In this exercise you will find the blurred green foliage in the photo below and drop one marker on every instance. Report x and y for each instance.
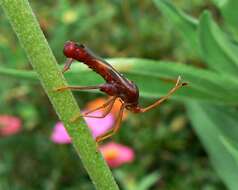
(169, 154)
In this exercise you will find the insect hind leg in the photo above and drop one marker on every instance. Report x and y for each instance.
(177, 86)
(115, 128)
(108, 104)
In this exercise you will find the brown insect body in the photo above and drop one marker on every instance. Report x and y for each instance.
(116, 84)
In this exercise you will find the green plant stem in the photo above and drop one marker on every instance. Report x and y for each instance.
(33, 41)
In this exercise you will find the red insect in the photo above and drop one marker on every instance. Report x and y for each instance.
(116, 86)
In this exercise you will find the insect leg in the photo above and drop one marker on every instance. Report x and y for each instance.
(68, 62)
(115, 128)
(162, 99)
(63, 88)
(108, 103)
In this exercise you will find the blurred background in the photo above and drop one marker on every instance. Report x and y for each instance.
(165, 151)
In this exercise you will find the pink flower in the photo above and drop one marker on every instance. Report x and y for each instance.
(98, 126)
(117, 154)
(9, 125)
(60, 135)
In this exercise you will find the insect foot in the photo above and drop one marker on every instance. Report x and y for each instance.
(60, 89)
(75, 118)
(184, 84)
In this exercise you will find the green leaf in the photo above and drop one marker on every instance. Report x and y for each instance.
(217, 50)
(147, 181)
(220, 3)
(231, 147)
(184, 23)
(202, 81)
(229, 12)
(139, 184)
(229, 9)
(203, 85)
(217, 127)
(149, 75)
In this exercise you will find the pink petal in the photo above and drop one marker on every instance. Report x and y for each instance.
(122, 154)
(9, 125)
(60, 135)
(99, 126)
